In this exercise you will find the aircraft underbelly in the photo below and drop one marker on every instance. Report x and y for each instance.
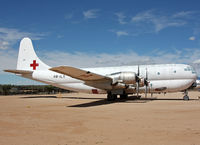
(155, 86)
(170, 85)
(81, 87)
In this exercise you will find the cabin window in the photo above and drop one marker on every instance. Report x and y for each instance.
(158, 73)
(174, 71)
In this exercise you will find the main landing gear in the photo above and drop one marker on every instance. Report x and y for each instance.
(111, 97)
(123, 96)
(186, 97)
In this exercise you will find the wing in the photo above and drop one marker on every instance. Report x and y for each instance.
(80, 74)
(90, 79)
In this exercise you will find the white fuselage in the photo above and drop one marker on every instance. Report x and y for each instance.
(172, 77)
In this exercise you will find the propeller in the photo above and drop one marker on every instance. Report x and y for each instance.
(138, 81)
(146, 83)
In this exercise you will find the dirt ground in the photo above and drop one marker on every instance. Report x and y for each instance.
(82, 119)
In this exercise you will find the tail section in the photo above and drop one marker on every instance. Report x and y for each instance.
(27, 58)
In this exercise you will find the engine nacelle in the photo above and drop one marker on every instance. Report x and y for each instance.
(142, 82)
(123, 77)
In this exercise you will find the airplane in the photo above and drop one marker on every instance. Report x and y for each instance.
(114, 81)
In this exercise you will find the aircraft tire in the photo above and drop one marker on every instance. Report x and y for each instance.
(124, 96)
(186, 98)
(111, 97)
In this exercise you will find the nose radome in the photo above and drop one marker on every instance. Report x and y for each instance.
(194, 76)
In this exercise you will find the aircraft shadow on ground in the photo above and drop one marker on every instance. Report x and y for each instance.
(130, 99)
(84, 98)
(32, 97)
(100, 101)
(105, 102)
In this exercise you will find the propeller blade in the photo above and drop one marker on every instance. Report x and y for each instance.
(138, 81)
(145, 91)
(146, 74)
(146, 83)
(137, 89)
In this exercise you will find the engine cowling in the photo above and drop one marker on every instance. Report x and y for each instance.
(123, 77)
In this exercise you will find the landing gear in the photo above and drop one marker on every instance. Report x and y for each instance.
(123, 96)
(138, 97)
(111, 97)
(186, 97)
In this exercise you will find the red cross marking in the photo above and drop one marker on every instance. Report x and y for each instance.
(34, 65)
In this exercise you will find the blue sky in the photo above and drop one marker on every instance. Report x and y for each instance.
(100, 33)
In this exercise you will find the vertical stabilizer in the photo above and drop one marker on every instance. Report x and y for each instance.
(27, 58)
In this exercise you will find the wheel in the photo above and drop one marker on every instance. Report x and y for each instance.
(115, 97)
(186, 98)
(111, 97)
(123, 96)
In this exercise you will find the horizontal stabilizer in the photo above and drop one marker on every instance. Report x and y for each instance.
(18, 71)
(80, 74)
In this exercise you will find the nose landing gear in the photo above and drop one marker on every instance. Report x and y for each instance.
(186, 97)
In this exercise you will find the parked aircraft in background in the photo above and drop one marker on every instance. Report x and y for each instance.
(113, 81)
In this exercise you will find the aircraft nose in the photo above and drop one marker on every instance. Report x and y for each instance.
(194, 76)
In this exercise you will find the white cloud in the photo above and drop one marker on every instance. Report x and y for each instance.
(121, 33)
(121, 17)
(9, 36)
(90, 14)
(80, 59)
(142, 16)
(161, 21)
(8, 59)
(4, 45)
(197, 61)
(183, 14)
(192, 38)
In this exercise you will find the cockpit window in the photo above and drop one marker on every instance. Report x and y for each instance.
(187, 69)
(193, 71)
(190, 69)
